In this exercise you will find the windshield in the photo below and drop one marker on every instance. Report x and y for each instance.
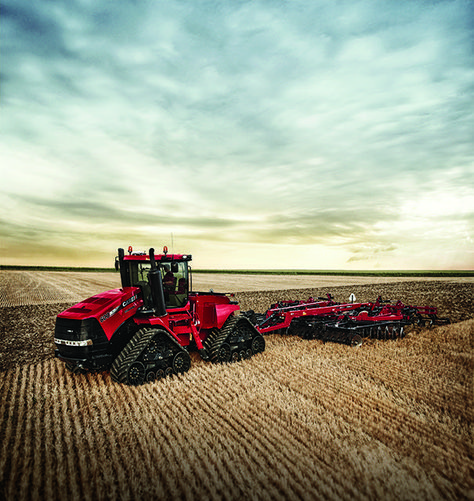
(174, 276)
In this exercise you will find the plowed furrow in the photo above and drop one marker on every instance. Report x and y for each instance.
(389, 424)
(197, 470)
(255, 413)
(263, 436)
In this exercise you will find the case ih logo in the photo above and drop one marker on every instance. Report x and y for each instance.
(128, 301)
(111, 313)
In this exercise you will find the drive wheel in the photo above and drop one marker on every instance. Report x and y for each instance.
(181, 362)
(223, 355)
(136, 374)
(151, 351)
(258, 344)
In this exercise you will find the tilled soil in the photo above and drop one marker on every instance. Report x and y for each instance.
(27, 331)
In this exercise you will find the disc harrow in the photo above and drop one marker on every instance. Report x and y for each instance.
(346, 323)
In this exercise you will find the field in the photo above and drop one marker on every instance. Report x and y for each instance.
(303, 420)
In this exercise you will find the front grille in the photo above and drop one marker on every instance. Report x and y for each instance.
(81, 341)
(78, 330)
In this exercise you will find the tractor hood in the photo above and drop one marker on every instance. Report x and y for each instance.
(110, 308)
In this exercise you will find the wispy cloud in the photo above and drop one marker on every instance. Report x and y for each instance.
(270, 124)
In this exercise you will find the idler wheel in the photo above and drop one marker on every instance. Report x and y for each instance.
(136, 374)
(181, 362)
(224, 353)
(258, 344)
(235, 357)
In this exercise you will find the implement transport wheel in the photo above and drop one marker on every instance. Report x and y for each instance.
(356, 341)
(181, 362)
(258, 344)
(136, 374)
(224, 353)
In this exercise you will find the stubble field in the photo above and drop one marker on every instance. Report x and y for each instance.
(303, 420)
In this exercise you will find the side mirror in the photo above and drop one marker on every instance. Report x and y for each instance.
(116, 263)
(174, 267)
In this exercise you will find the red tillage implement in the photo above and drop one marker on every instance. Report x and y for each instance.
(345, 323)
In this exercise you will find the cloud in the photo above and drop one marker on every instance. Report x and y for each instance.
(295, 123)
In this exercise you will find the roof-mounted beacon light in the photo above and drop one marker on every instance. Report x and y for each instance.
(165, 250)
(130, 249)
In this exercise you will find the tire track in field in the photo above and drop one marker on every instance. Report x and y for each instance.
(142, 423)
(127, 431)
(254, 460)
(226, 450)
(107, 423)
(89, 436)
(195, 454)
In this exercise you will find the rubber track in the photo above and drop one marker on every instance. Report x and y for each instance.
(132, 351)
(217, 338)
(223, 334)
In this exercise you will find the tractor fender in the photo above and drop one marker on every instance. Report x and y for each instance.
(223, 311)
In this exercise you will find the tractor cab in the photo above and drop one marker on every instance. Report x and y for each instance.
(135, 269)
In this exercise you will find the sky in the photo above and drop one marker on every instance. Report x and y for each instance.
(299, 134)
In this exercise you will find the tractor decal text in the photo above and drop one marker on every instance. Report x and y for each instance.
(111, 313)
(128, 301)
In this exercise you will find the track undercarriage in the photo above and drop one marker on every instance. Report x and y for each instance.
(151, 354)
(237, 340)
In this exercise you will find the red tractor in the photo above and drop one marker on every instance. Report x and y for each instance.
(145, 330)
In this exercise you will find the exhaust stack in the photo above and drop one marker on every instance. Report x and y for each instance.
(124, 276)
(156, 285)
